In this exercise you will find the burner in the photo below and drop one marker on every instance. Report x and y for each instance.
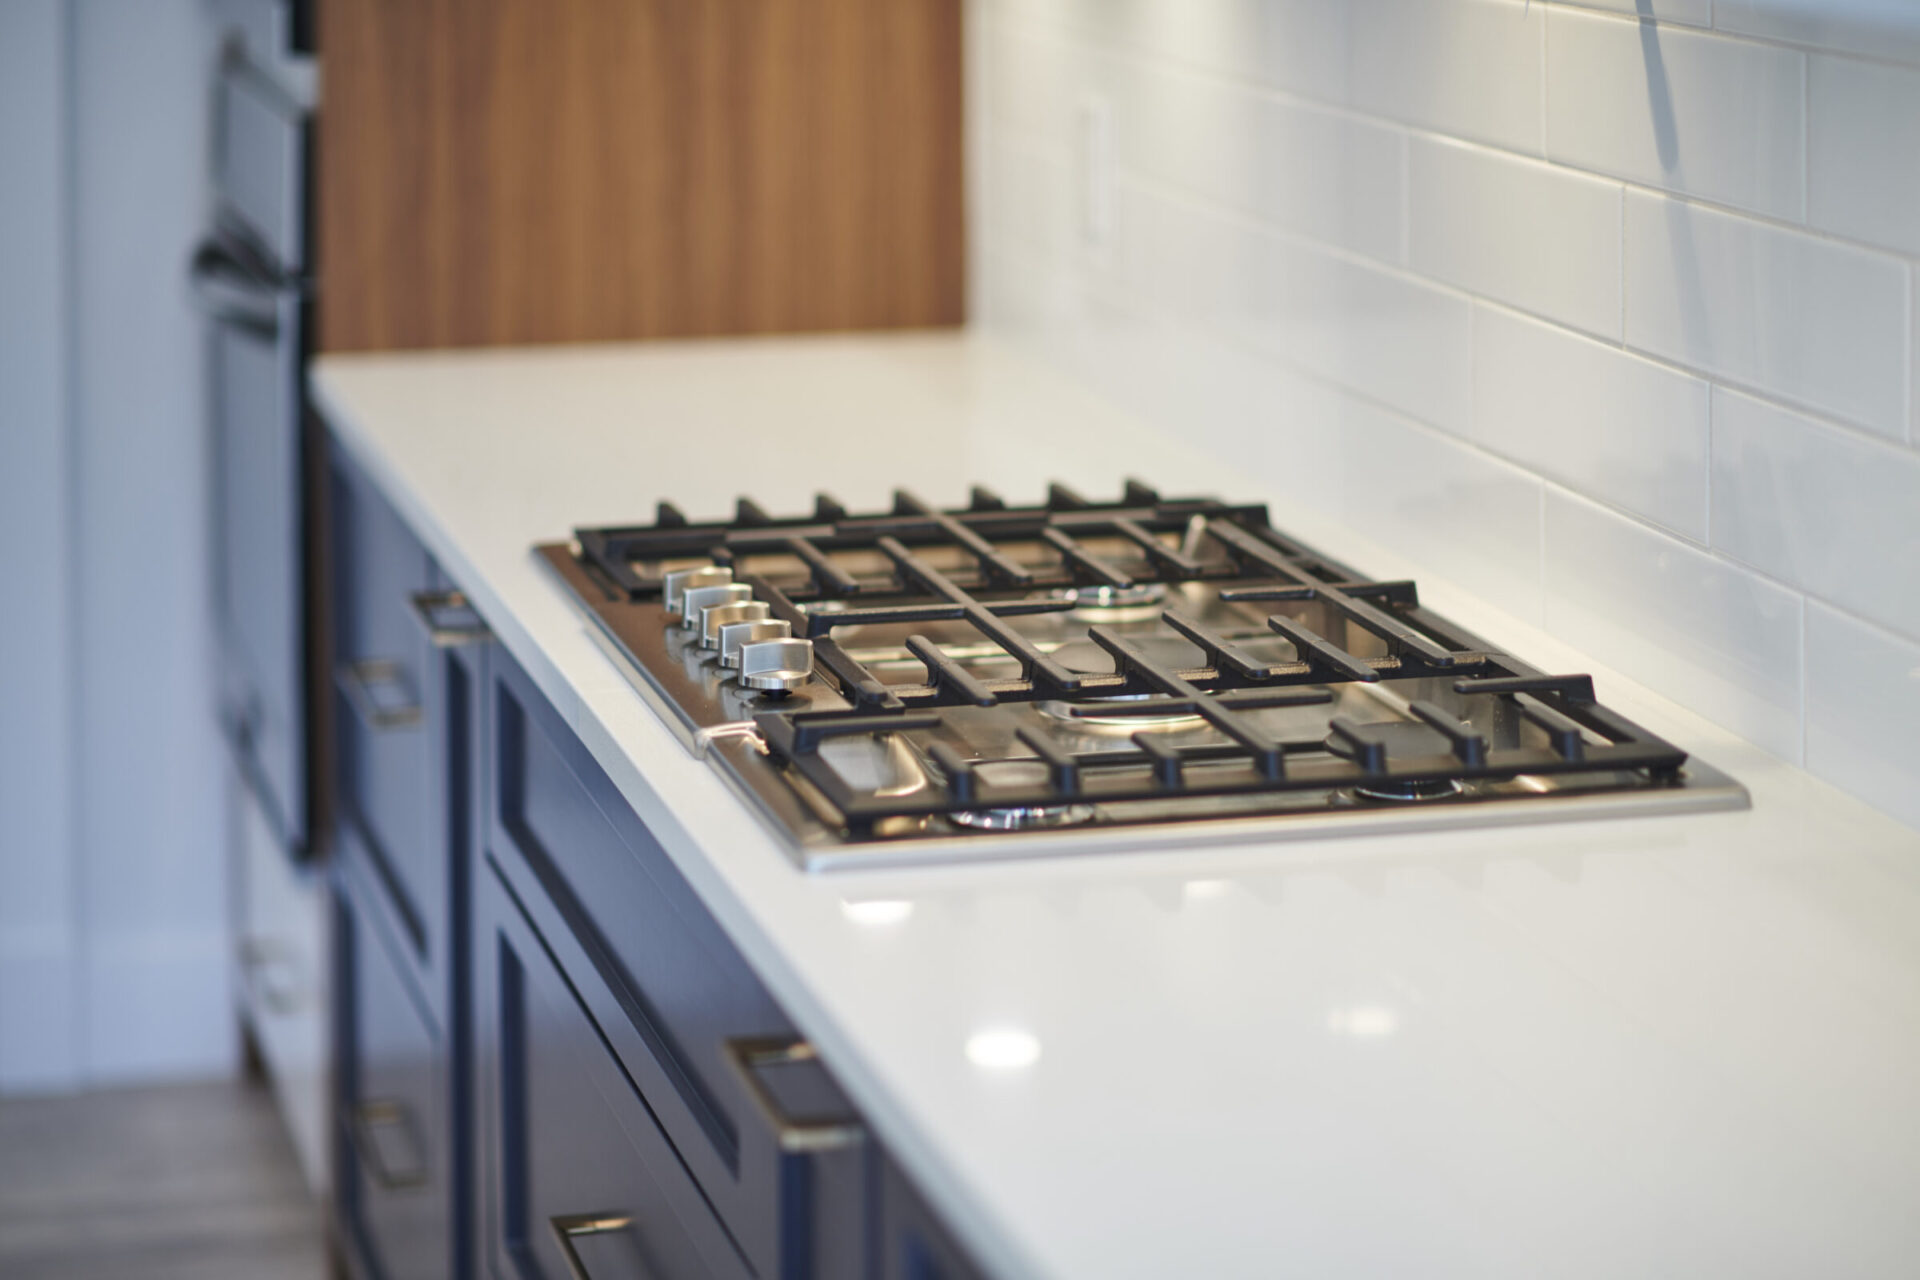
(1087, 714)
(1024, 819)
(1401, 738)
(1113, 604)
(1409, 792)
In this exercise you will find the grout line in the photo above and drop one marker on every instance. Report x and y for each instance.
(1806, 152)
(67, 130)
(1623, 268)
(1804, 666)
(1713, 398)
(1913, 344)
(1546, 13)
(1541, 499)
(1406, 200)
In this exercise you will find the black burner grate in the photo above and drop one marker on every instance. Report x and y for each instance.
(1232, 548)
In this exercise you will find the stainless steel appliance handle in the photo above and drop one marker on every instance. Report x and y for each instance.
(569, 1227)
(230, 289)
(449, 619)
(361, 682)
(260, 958)
(386, 1112)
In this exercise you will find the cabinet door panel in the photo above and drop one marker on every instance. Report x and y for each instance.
(259, 568)
(576, 1163)
(391, 696)
(393, 1118)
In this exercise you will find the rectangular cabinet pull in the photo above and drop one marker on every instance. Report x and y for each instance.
(376, 1114)
(752, 1059)
(449, 619)
(377, 690)
(569, 1227)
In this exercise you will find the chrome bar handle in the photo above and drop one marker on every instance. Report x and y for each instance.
(449, 619)
(371, 1115)
(359, 680)
(569, 1227)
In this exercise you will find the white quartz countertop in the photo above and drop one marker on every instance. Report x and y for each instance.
(1683, 1046)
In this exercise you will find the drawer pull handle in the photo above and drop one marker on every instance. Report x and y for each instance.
(750, 1059)
(377, 689)
(569, 1227)
(382, 1113)
(449, 619)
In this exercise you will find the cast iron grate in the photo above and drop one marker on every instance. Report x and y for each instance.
(833, 585)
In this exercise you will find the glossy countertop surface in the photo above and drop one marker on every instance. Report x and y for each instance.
(1686, 1045)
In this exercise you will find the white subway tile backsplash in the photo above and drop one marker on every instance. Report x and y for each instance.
(1474, 519)
(1409, 263)
(1817, 322)
(1697, 12)
(1822, 509)
(1371, 329)
(1685, 110)
(1876, 28)
(1297, 45)
(1705, 632)
(1316, 172)
(1863, 701)
(1597, 419)
(1030, 87)
(1863, 151)
(1542, 238)
(1030, 202)
(1470, 68)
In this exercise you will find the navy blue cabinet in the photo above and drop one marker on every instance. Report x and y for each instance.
(552, 1062)
(408, 678)
(754, 1118)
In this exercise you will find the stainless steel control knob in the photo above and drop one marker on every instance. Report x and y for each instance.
(694, 599)
(733, 635)
(674, 587)
(776, 666)
(716, 616)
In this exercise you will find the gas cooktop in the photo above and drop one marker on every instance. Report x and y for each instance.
(927, 684)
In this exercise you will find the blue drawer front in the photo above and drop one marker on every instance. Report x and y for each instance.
(669, 992)
(576, 1162)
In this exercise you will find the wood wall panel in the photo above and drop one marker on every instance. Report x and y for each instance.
(498, 171)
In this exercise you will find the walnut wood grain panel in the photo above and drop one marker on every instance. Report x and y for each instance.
(497, 171)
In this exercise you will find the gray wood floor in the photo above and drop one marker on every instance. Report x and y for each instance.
(186, 1182)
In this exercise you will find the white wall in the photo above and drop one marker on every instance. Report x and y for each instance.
(1611, 321)
(39, 1040)
(112, 892)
